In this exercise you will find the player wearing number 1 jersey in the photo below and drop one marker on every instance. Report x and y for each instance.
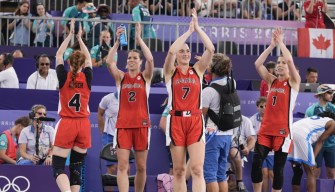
(185, 128)
(132, 125)
(275, 131)
(73, 130)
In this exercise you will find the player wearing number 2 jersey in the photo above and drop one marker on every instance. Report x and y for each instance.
(132, 125)
(185, 128)
(275, 131)
(73, 130)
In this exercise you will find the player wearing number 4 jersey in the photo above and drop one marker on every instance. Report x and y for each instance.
(73, 130)
(132, 125)
(275, 131)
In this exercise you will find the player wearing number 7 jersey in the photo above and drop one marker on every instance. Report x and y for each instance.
(132, 125)
(275, 130)
(73, 130)
(185, 126)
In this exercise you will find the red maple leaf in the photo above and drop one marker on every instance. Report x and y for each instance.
(321, 43)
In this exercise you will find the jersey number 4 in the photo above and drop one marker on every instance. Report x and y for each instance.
(75, 102)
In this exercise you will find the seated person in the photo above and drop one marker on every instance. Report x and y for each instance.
(251, 9)
(8, 77)
(44, 77)
(288, 10)
(270, 10)
(100, 51)
(160, 7)
(43, 28)
(311, 75)
(224, 9)
(8, 141)
(35, 142)
(17, 53)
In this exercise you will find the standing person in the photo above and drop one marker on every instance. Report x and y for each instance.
(43, 27)
(324, 94)
(73, 130)
(8, 141)
(132, 126)
(107, 115)
(314, 10)
(275, 130)
(185, 126)
(306, 132)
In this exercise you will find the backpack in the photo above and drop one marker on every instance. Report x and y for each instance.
(229, 115)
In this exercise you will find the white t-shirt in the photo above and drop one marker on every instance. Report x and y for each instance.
(204, 8)
(242, 133)
(8, 78)
(36, 81)
(110, 104)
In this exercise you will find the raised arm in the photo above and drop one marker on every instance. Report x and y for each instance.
(294, 75)
(83, 48)
(63, 46)
(111, 58)
(170, 59)
(149, 64)
(207, 56)
(261, 69)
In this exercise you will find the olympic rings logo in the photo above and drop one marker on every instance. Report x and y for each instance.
(13, 185)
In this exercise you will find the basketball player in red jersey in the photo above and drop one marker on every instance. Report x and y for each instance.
(73, 130)
(275, 130)
(132, 125)
(185, 125)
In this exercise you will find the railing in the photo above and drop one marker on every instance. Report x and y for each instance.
(230, 38)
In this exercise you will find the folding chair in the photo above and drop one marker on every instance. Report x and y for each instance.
(108, 153)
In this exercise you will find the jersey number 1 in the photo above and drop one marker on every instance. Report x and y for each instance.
(75, 102)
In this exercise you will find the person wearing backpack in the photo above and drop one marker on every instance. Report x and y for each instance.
(219, 95)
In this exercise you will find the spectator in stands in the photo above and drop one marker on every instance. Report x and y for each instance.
(8, 77)
(288, 10)
(140, 14)
(75, 46)
(76, 11)
(180, 79)
(124, 7)
(43, 27)
(264, 87)
(267, 167)
(306, 133)
(91, 10)
(17, 53)
(203, 7)
(160, 7)
(133, 126)
(311, 75)
(314, 10)
(8, 141)
(217, 142)
(251, 9)
(243, 142)
(103, 14)
(35, 142)
(107, 115)
(44, 77)
(20, 27)
(324, 94)
(274, 133)
(185, 7)
(270, 10)
(99, 52)
(224, 9)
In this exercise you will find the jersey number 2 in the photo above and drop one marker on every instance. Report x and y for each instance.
(75, 102)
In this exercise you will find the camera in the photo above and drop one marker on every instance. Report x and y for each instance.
(241, 146)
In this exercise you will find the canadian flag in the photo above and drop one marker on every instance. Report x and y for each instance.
(318, 43)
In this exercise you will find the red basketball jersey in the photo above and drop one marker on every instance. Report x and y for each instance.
(185, 90)
(278, 115)
(133, 102)
(73, 102)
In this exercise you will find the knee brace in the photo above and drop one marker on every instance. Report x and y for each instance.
(259, 155)
(297, 173)
(58, 165)
(76, 162)
(278, 170)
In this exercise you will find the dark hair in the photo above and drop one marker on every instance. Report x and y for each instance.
(137, 51)
(77, 59)
(260, 100)
(310, 70)
(76, 46)
(18, 11)
(221, 64)
(82, 1)
(270, 65)
(24, 121)
(45, 11)
(327, 114)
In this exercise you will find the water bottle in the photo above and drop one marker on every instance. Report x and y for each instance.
(123, 37)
